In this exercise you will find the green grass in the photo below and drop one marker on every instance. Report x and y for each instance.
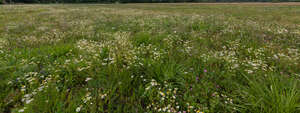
(242, 58)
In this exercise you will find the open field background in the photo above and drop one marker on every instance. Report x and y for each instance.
(135, 58)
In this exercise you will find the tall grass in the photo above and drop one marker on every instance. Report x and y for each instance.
(145, 58)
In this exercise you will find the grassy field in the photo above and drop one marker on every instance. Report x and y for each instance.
(137, 58)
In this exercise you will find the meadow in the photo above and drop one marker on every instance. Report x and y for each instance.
(150, 58)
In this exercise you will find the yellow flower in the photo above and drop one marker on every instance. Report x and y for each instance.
(198, 111)
(168, 92)
(161, 93)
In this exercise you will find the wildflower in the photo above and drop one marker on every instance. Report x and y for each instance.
(23, 89)
(235, 66)
(22, 110)
(80, 69)
(198, 111)
(27, 95)
(103, 96)
(141, 64)
(147, 88)
(249, 71)
(9, 82)
(78, 109)
(88, 79)
(161, 93)
(205, 70)
(29, 101)
(41, 88)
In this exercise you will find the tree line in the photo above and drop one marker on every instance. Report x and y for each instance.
(135, 1)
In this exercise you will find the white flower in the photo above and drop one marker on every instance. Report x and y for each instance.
(161, 93)
(23, 89)
(27, 95)
(41, 88)
(21, 110)
(235, 66)
(29, 101)
(9, 82)
(78, 109)
(88, 98)
(147, 88)
(80, 69)
(249, 71)
(88, 79)
(103, 96)
(275, 56)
